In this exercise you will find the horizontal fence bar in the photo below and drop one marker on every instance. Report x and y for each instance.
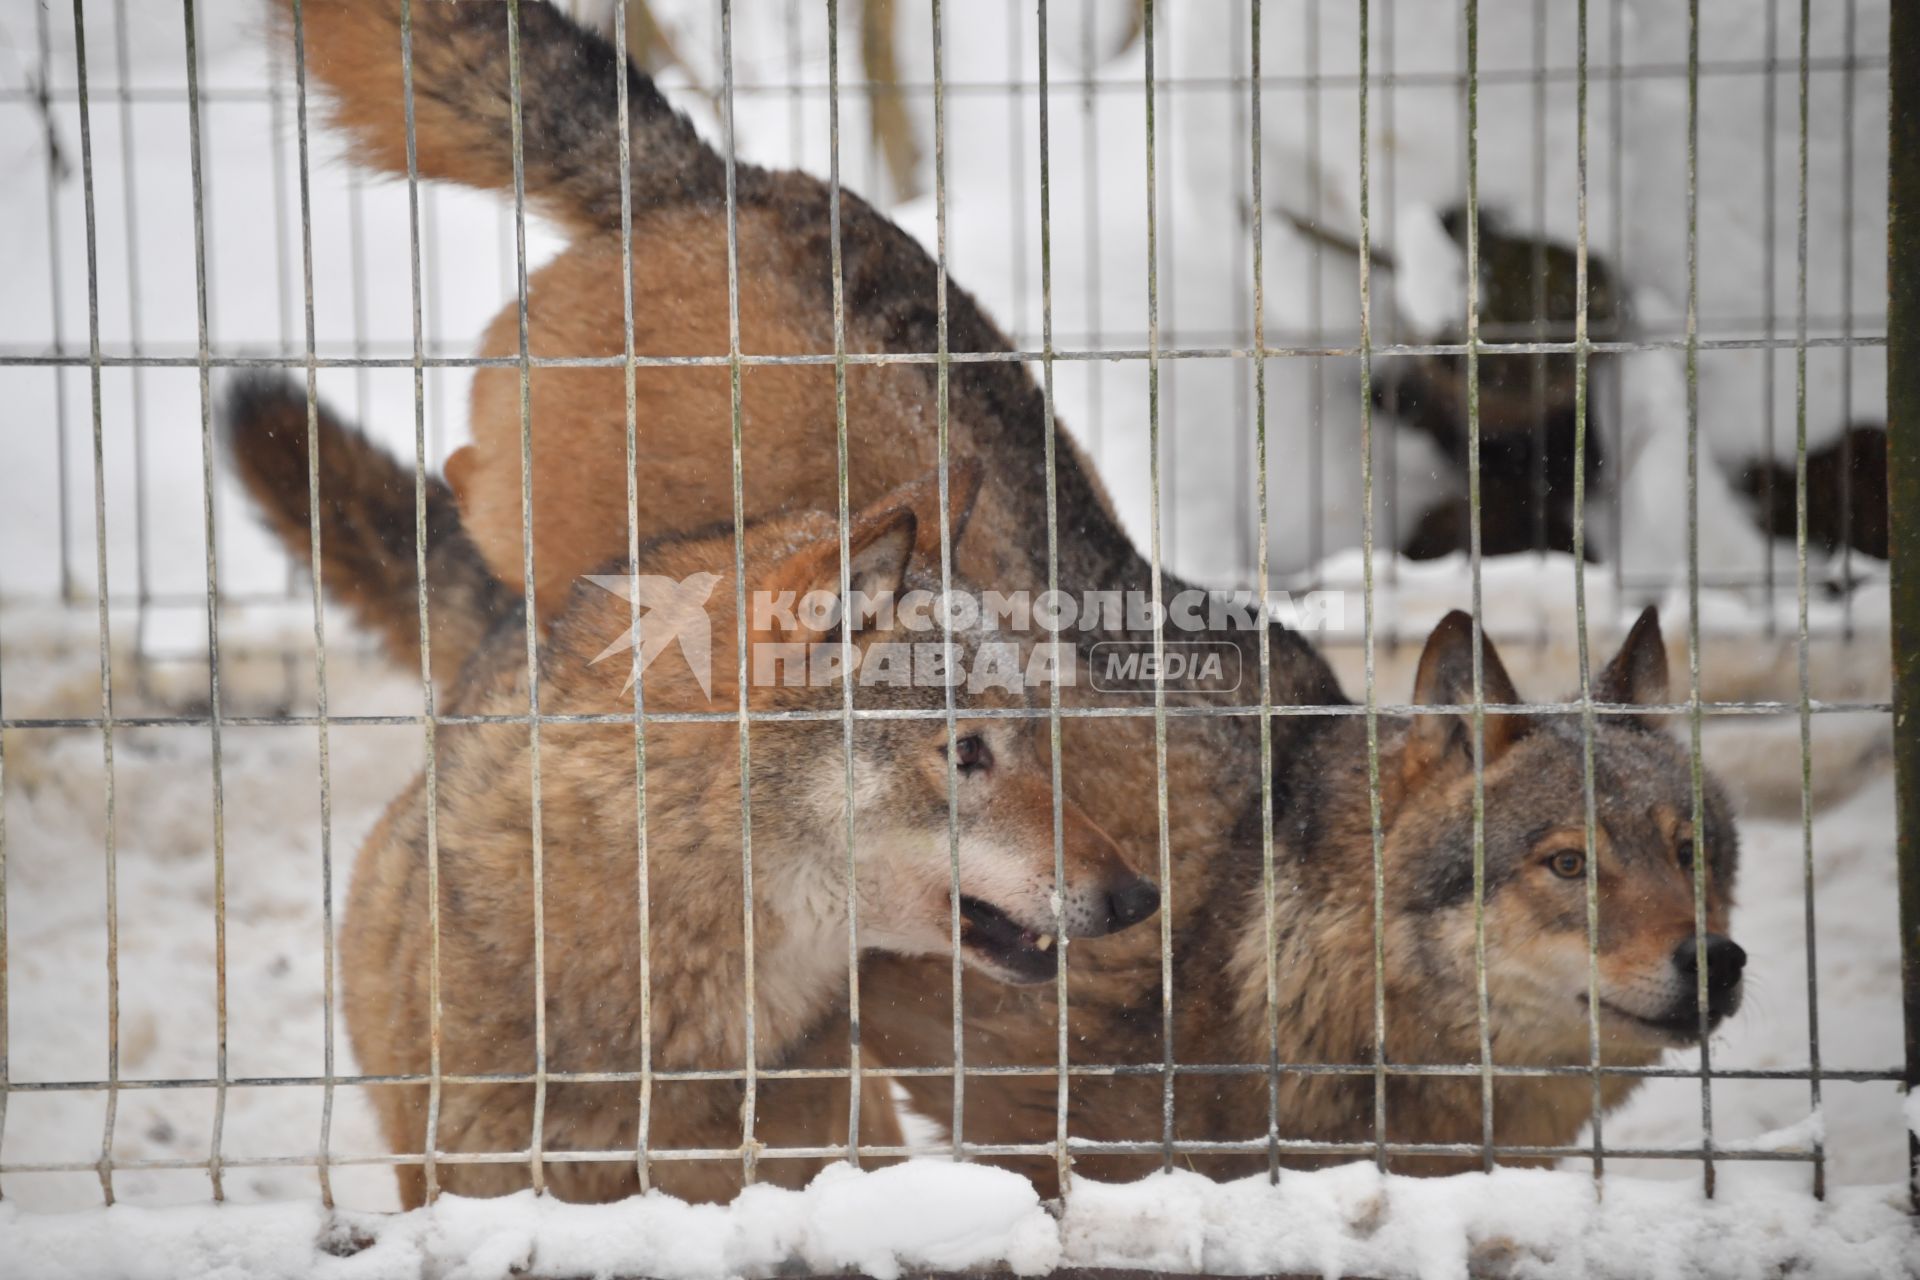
(1075, 1146)
(1114, 355)
(1109, 1071)
(1126, 87)
(292, 719)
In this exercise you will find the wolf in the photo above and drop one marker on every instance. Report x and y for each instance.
(1042, 519)
(498, 923)
(1663, 973)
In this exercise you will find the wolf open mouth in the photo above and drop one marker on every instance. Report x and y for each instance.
(1015, 952)
(1680, 1026)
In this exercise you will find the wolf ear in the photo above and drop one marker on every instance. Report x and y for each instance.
(1445, 678)
(879, 545)
(922, 498)
(1637, 676)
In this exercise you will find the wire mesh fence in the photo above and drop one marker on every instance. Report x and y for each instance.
(1243, 264)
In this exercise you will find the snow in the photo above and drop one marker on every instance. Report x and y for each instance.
(1652, 1218)
(1352, 1220)
(1349, 1220)
(916, 1215)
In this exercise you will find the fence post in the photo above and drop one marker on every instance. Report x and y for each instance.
(1903, 500)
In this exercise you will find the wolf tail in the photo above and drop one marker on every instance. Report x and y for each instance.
(368, 559)
(464, 89)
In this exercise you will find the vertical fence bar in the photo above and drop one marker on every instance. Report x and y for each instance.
(1090, 229)
(1800, 584)
(841, 503)
(1163, 139)
(319, 602)
(1316, 296)
(1483, 1014)
(1848, 82)
(1693, 589)
(213, 597)
(1769, 239)
(1903, 503)
(1243, 412)
(1262, 554)
(100, 596)
(214, 592)
(537, 1159)
(430, 1142)
(1582, 406)
(54, 259)
(644, 907)
(1617, 238)
(1159, 630)
(749, 1148)
(142, 566)
(1016, 179)
(1063, 1164)
(1375, 831)
(943, 374)
(1537, 267)
(1390, 189)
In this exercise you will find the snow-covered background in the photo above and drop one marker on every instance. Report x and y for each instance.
(154, 518)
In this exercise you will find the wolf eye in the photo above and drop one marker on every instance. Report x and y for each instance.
(1568, 863)
(970, 754)
(1685, 855)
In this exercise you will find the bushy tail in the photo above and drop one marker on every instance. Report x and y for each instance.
(367, 556)
(463, 103)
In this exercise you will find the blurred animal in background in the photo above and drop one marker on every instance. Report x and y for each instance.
(1527, 407)
(1846, 493)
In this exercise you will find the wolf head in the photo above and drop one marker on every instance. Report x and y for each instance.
(817, 640)
(1662, 978)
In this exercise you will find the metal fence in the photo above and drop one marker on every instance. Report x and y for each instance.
(1790, 75)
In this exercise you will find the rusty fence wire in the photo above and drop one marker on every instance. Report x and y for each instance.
(1858, 330)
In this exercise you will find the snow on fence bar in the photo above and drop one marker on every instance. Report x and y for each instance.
(184, 216)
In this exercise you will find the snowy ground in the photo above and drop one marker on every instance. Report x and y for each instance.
(54, 797)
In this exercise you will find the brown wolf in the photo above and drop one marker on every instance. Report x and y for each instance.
(568, 800)
(678, 202)
(677, 196)
(1535, 878)
(677, 199)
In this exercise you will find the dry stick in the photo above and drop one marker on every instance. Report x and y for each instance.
(646, 42)
(889, 119)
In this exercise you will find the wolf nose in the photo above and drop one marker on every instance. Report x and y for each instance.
(1725, 960)
(1132, 902)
